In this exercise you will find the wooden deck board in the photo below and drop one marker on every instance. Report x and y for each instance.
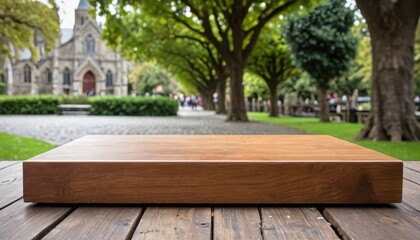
(10, 184)
(212, 169)
(174, 223)
(295, 223)
(235, 223)
(5, 164)
(28, 221)
(375, 223)
(412, 194)
(415, 165)
(97, 223)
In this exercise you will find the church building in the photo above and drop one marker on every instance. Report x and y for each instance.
(80, 64)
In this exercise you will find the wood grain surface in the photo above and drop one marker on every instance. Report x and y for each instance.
(5, 164)
(10, 184)
(100, 222)
(235, 223)
(294, 223)
(174, 223)
(210, 147)
(212, 169)
(375, 223)
(29, 221)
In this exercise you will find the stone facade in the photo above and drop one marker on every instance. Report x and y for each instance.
(80, 64)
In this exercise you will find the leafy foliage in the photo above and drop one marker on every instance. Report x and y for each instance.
(29, 104)
(255, 86)
(148, 77)
(321, 42)
(271, 59)
(133, 106)
(71, 99)
(302, 85)
(231, 27)
(20, 20)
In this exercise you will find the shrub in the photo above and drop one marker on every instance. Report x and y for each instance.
(82, 99)
(133, 106)
(28, 104)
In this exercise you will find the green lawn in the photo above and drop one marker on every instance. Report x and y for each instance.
(345, 131)
(21, 148)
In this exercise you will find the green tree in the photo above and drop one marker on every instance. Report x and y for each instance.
(302, 85)
(149, 77)
(255, 86)
(232, 27)
(20, 20)
(272, 62)
(194, 61)
(392, 26)
(193, 67)
(322, 44)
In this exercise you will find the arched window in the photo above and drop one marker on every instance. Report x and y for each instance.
(66, 77)
(82, 20)
(48, 75)
(109, 78)
(89, 44)
(27, 74)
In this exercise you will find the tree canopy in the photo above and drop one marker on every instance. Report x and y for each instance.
(231, 27)
(271, 61)
(323, 45)
(20, 20)
(147, 77)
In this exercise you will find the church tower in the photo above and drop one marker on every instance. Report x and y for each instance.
(82, 14)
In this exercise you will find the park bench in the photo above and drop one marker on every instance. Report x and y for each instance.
(73, 109)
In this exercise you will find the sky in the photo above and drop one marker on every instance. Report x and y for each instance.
(66, 12)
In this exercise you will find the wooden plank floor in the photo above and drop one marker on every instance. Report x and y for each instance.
(19, 220)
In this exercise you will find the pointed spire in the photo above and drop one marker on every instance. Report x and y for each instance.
(84, 5)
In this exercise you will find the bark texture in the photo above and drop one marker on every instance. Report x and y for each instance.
(274, 109)
(392, 27)
(324, 108)
(207, 98)
(237, 110)
(221, 97)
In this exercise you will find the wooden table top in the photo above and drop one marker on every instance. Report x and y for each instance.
(19, 220)
(211, 148)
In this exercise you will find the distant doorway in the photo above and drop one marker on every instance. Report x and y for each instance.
(89, 85)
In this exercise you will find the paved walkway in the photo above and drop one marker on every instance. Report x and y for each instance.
(62, 129)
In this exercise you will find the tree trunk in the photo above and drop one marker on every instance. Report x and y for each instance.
(324, 108)
(207, 100)
(274, 109)
(392, 28)
(221, 97)
(237, 110)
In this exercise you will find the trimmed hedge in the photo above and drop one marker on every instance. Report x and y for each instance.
(29, 104)
(81, 99)
(133, 106)
(107, 105)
